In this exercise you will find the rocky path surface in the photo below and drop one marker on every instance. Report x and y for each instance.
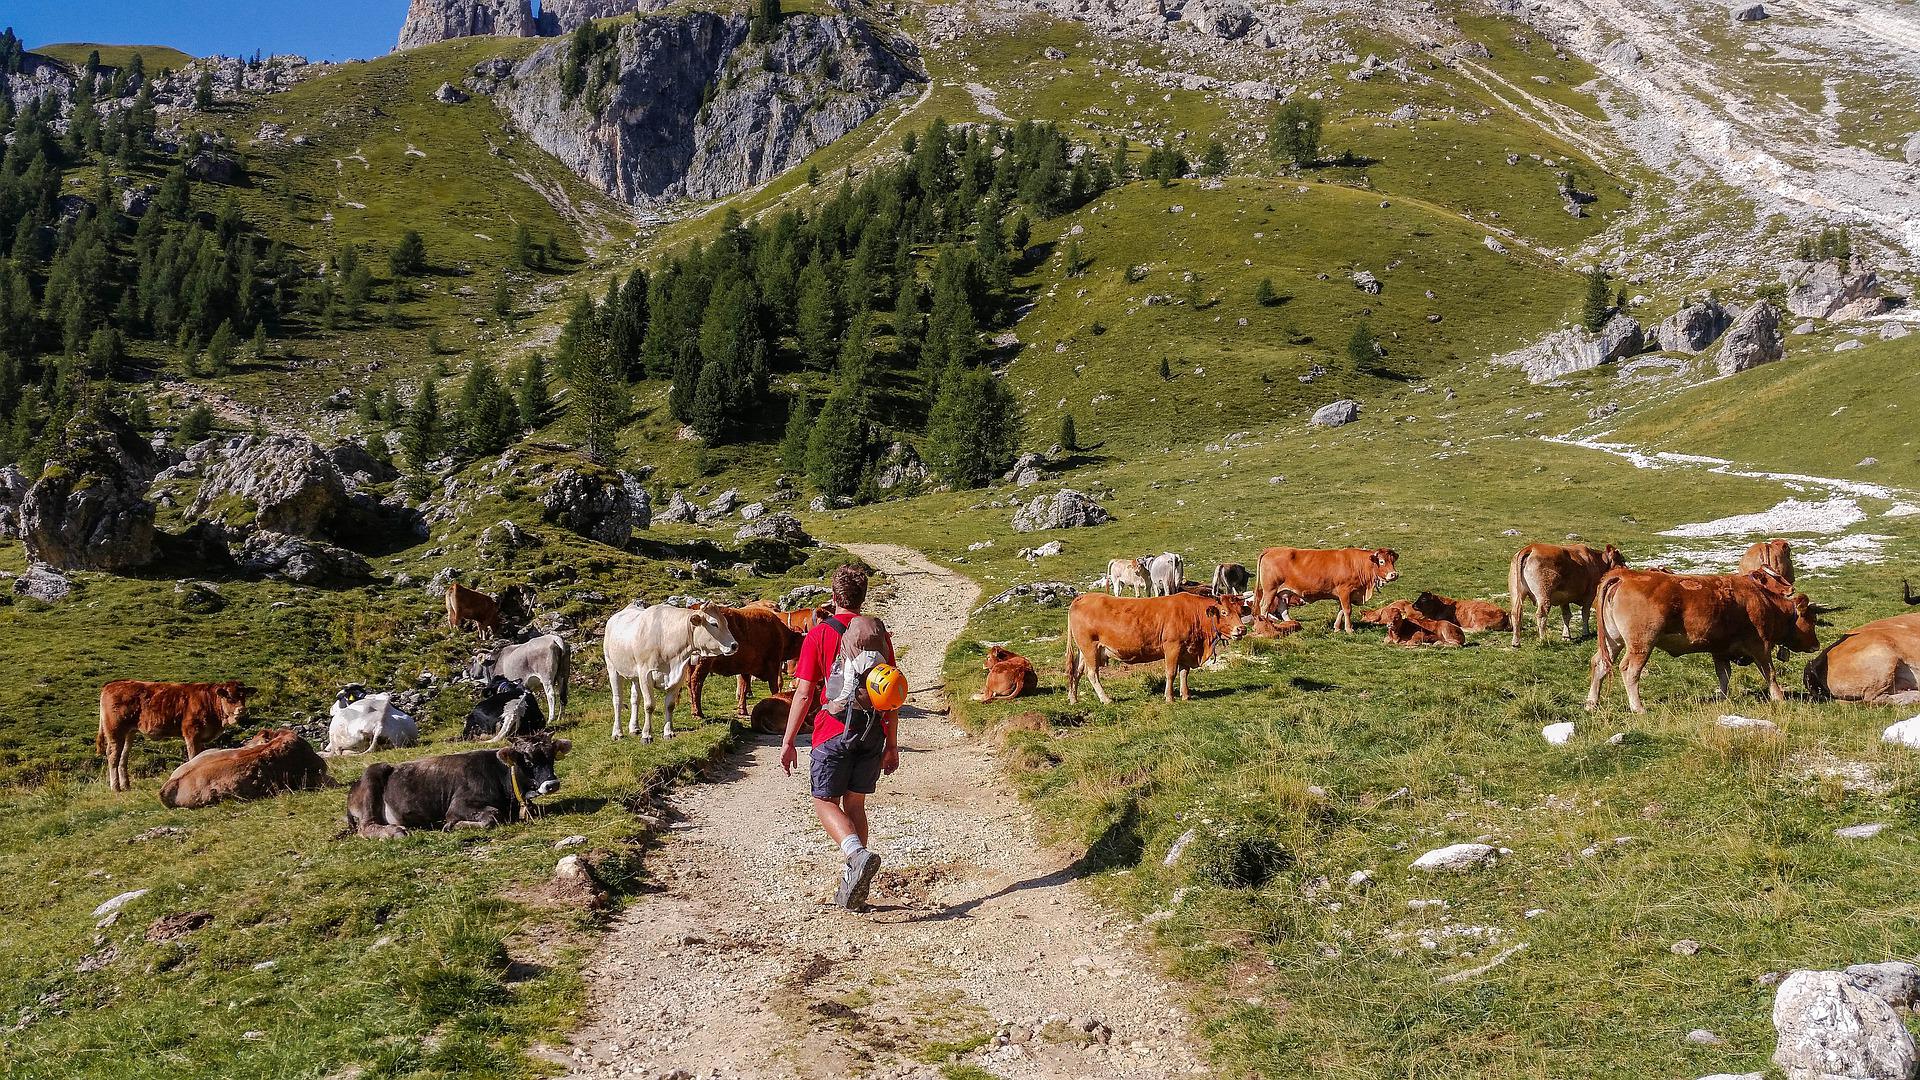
(979, 945)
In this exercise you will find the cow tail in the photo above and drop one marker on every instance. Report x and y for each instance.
(1073, 668)
(1517, 583)
(100, 736)
(1602, 605)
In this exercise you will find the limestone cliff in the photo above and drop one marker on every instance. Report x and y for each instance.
(430, 21)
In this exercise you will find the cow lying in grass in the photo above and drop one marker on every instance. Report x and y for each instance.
(478, 789)
(266, 765)
(1879, 662)
(1009, 676)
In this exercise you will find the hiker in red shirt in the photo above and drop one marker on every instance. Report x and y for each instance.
(852, 745)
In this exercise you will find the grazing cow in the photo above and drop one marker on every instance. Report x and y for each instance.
(545, 658)
(653, 648)
(1385, 614)
(1131, 573)
(765, 642)
(507, 711)
(192, 712)
(267, 764)
(1009, 676)
(1473, 616)
(1183, 630)
(1230, 577)
(1343, 574)
(362, 721)
(1878, 662)
(1773, 556)
(1728, 616)
(1416, 629)
(477, 789)
(466, 605)
(769, 716)
(1555, 576)
(1165, 573)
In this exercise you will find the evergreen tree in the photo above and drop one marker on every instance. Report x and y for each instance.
(1263, 293)
(837, 445)
(766, 21)
(421, 432)
(503, 299)
(597, 403)
(973, 431)
(196, 425)
(1213, 160)
(221, 348)
(409, 256)
(487, 416)
(573, 69)
(1597, 306)
(1069, 439)
(1362, 348)
(523, 247)
(793, 442)
(1166, 370)
(627, 323)
(259, 342)
(816, 321)
(1295, 135)
(530, 393)
(203, 92)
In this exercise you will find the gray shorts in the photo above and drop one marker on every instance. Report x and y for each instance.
(839, 766)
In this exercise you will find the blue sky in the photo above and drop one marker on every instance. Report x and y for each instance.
(320, 29)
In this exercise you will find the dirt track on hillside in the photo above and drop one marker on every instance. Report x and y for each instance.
(735, 967)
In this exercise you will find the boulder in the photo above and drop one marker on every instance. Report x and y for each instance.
(449, 94)
(778, 525)
(1336, 413)
(901, 467)
(13, 490)
(357, 463)
(280, 483)
(43, 583)
(1830, 1029)
(1748, 12)
(607, 505)
(678, 512)
(1366, 282)
(214, 167)
(1754, 339)
(1620, 338)
(1559, 354)
(804, 596)
(1693, 327)
(1895, 982)
(1903, 733)
(88, 510)
(1912, 150)
(1028, 469)
(1458, 858)
(1064, 509)
(1831, 288)
(302, 561)
(1041, 593)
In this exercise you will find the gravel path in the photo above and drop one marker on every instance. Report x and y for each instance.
(979, 944)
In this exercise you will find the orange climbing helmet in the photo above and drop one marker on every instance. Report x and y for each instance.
(886, 687)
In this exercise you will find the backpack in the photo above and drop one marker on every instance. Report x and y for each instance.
(844, 695)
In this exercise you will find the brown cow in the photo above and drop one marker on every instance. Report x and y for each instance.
(1555, 576)
(1413, 629)
(1728, 616)
(1773, 556)
(265, 765)
(1008, 676)
(1473, 616)
(193, 712)
(766, 642)
(1341, 574)
(1184, 630)
(1385, 614)
(466, 605)
(769, 716)
(1878, 662)
(1268, 628)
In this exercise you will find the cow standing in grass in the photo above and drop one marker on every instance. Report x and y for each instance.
(654, 649)
(1728, 616)
(1184, 631)
(1555, 576)
(1345, 575)
(193, 712)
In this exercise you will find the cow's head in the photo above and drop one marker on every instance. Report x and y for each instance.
(711, 637)
(1611, 558)
(532, 760)
(998, 655)
(1384, 571)
(231, 698)
(1805, 638)
(480, 670)
(1771, 582)
(349, 694)
(1430, 605)
(1283, 601)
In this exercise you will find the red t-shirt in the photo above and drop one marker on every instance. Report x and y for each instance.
(815, 664)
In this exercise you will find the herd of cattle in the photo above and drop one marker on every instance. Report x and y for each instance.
(658, 651)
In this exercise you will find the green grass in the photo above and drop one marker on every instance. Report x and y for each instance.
(155, 58)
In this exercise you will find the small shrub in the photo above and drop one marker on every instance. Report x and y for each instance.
(1238, 855)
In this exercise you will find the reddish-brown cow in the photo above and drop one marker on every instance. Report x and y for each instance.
(193, 712)
(1183, 630)
(766, 641)
(1728, 616)
(1473, 616)
(1385, 614)
(1878, 662)
(1773, 556)
(1009, 676)
(466, 605)
(1415, 629)
(1555, 576)
(1342, 574)
(265, 765)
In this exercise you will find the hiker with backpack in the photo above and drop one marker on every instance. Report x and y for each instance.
(845, 677)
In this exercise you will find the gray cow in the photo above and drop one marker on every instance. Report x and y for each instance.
(545, 658)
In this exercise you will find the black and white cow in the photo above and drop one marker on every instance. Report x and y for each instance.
(507, 710)
(545, 658)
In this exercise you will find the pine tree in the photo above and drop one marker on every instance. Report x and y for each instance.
(420, 430)
(203, 92)
(196, 425)
(1166, 370)
(1069, 439)
(523, 247)
(837, 445)
(1362, 348)
(816, 320)
(409, 256)
(503, 299)
(597, 402)
(1597, 307)
(1263, 293)
(530, 393)
(259, 342)
(973, 431)
(1295, 135)
(793, 442)
(221, 348)
(1213, 160)
(487, 417)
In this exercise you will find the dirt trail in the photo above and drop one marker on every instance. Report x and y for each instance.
(735, 966)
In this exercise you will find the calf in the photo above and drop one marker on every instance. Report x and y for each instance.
(1183, 630)
(267, 764)
(1166, 572)
(545, 658)
(466, 605)
(769, 716)
(192, 712)
(1343, 574)
(1773, 556)
(506, 711)
(477, 789)
(1553, 576)
(1415, 629)
(1009, 676)
(1728, 616)
(1230, 577)
(1473, 616)
(653, 648)
(765, 642)
(1385, 614)
(1131, 573)
(1879, 662)
(362, 721)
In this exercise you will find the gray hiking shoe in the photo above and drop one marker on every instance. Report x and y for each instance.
(858, 878)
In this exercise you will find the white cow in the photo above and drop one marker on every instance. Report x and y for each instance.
(1165, 573)
(1128, 572)
(653, 648)
(362, 721)
(545, 658)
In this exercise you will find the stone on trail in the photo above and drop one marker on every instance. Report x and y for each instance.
(1459, 858)
(1831, 1029)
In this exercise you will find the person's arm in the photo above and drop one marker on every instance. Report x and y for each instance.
(891, 761)
(796, 716)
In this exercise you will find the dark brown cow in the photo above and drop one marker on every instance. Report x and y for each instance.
(1415, 629)
(1773, 556)
(1183, 630)
(267, 764)
(1879, 662)
(193, 712)
(1473, 616)
(478, 789)
(1728, 616)
(769, 716)
(1342, 574)
(1009, 676)
(766, 642)
(466, 605)
(1555, 576)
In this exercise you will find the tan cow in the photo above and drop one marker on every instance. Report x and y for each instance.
(1130, 573)
(1878, 662)
(1555, 576)
(654, 649)
(193, 712)
(466, 605)
(1183, 630)
(1473, 616)
(1342, 574)
(1009, 675)
(1773, 556)
(266, 765)
(1728, 616)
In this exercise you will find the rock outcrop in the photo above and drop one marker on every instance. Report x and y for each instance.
(693, 109)
(302, 561)
(280, 483)
(1336, 413)
(1693, 328)
(88, 510)
(780, 526)
(1831, 1028)
(430, 21)
(603, 505)
(1754, 339)
(1064, 509)
(1620, 338)
(1560, 353)
(1832, 289)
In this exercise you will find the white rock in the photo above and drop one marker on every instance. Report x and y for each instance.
(1703, 1037)
(1458, 858)
(1747, 723)
(1895, 982)
(1558, 734)
(1359, 878)
(1179, 846)
(1905, 733)
(1861, 832)
(118, 902)
(1830, 1029)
